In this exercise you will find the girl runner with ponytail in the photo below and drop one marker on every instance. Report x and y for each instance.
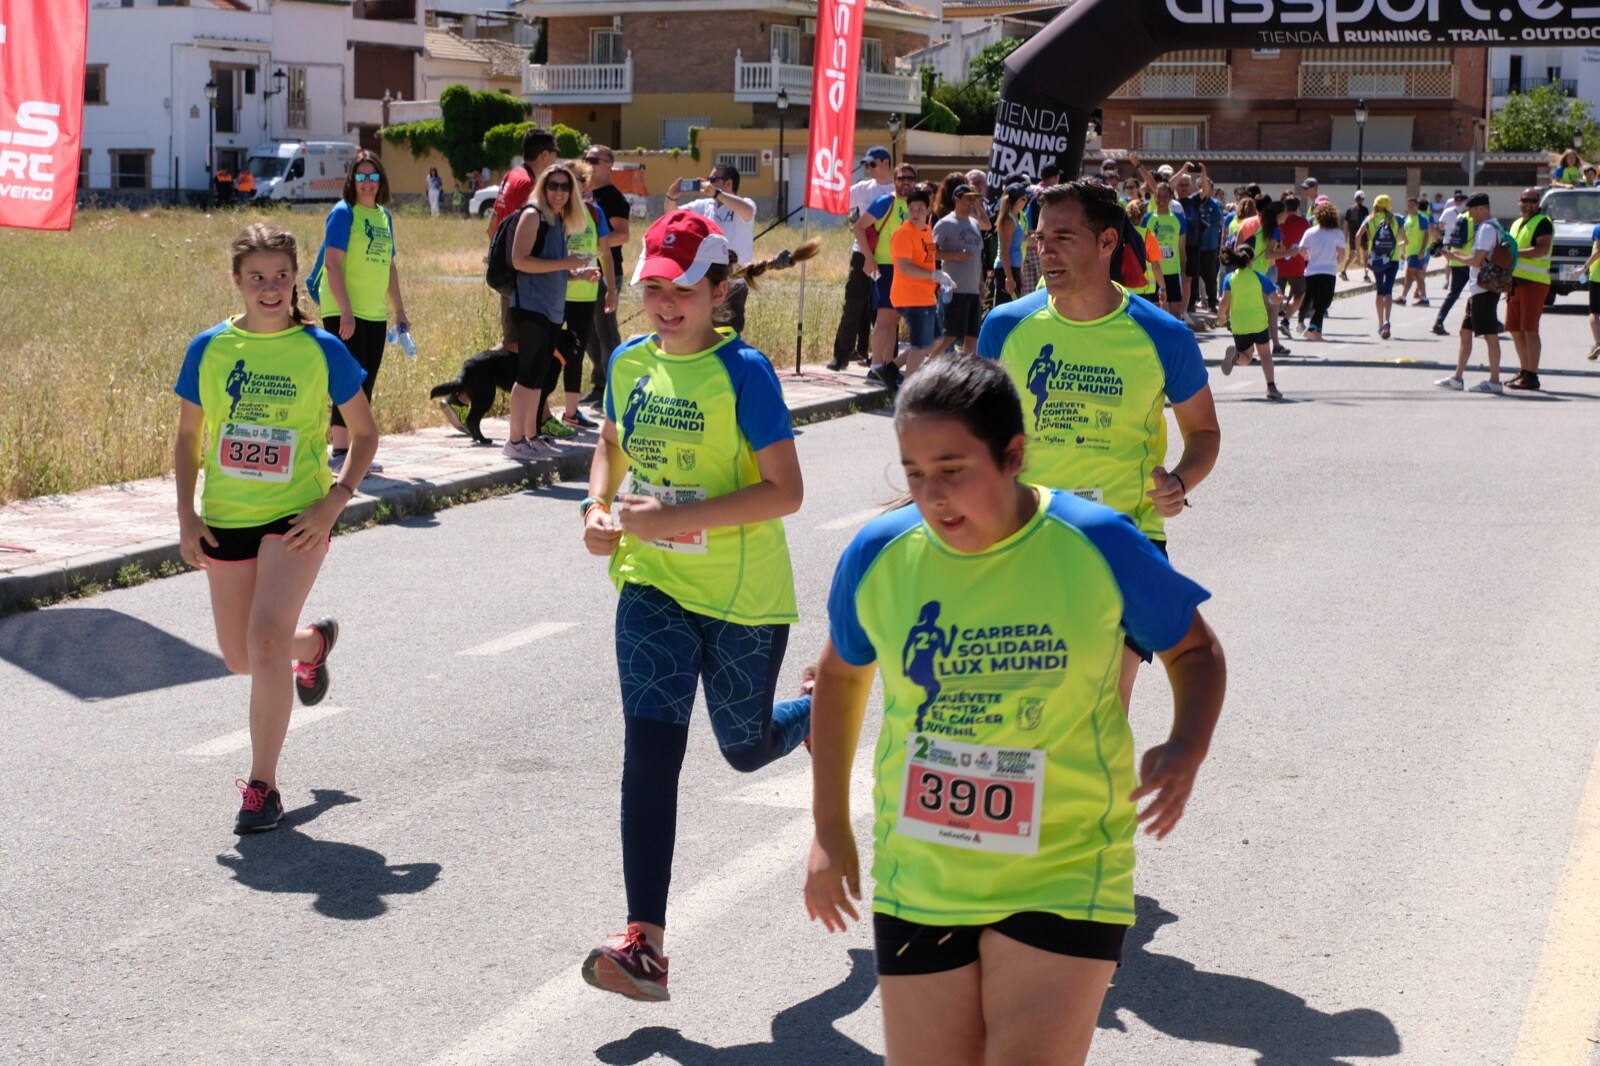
(698, 553)
(1005, 799)
(255, 391)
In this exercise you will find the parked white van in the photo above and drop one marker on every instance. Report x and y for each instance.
(301, 170)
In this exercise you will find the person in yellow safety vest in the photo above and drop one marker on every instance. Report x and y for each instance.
(1530, 287)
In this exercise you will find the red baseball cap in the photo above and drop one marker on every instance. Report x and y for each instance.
(680, 247)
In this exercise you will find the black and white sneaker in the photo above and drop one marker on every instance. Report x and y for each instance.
(261, 809)
(311, 678)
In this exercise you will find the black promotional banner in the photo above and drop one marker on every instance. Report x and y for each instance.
(1054, 82)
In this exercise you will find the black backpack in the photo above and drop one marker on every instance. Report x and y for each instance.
(499, 274)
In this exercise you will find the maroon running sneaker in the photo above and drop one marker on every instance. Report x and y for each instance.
(631, 968)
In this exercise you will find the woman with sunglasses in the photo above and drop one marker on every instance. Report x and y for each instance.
(356, 279)
(539, 303)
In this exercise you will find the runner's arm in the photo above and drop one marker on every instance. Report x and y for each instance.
(833, 875)
(186, 472)
(779, 493)
(606, 471)
(1202, 437)
(1541, 245)
(908, 269)
(1198, 673)
(394, 296)
(333, 266)
(310, 528)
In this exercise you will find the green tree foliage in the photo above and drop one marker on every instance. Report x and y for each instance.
(504, 143)
(934, 116)
(972, 105)
(989, 66)
(420, 137)
(1543, 120)
(570, 144)
(468, 116)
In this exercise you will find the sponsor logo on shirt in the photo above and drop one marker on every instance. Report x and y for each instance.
(650, 420)
(966, 672)
(258, 397)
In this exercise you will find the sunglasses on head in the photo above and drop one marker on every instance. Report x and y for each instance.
(367, 177)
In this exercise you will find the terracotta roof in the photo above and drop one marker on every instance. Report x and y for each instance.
(901, 6)
(505, 59)
(441, 44)
(230, 5)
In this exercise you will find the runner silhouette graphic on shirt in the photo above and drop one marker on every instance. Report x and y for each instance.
(630, 413)
(372, 234)
(1039, 374)
(924, 645)
(238, 378)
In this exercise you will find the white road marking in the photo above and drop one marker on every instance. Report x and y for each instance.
(508, 1037)
(849, 521)
(1558, 1026)
(510, 641)
(239, 740)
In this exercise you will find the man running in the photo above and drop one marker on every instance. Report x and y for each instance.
(1456, 225)
(1113, 364)
(1354, 216)
(1533, 233)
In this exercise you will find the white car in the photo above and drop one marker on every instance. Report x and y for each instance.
(482, 199)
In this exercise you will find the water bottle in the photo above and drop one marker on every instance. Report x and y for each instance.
(401, 335)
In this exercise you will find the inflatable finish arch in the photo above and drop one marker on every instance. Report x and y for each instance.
(1054, 82)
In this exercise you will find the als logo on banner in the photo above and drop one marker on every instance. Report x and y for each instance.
(42, 44)
(830, 149)
(965, 673)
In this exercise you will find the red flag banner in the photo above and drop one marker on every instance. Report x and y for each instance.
(836, 68)
(42, 47)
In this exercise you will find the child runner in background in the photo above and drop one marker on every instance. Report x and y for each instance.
(1379, 236)
(255, 393)
(1006, 801)
(698, 553)
(1249, 301)
(356, 279)
(1152, 289)
(1324, 247)
(1416, 228)
(917, 278)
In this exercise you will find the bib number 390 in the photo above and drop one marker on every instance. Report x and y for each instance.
(257, 453)
(972, 796)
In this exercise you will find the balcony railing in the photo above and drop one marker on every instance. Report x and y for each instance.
(580, 83)
(1433, 80)
(1182, 81)
(1506, 86)
(758, 83)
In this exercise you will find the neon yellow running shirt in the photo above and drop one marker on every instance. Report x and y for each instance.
(366, 236)
(265, 398)
(1094, 395)
(691, 426)
(1169, 230)
(1005, 759)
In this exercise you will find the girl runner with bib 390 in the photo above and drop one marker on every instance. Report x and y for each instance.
(1004, 812)
(255, 392)
(698, 552)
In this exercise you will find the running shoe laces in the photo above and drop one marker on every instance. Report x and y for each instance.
(254, 797)
(306, 673)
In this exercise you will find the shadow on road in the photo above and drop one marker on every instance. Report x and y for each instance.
(1182, 1001)
(97, 654)
(803, 1033)
(348, 881)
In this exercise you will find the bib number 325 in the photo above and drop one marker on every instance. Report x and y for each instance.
(257, 453)
(972, 796)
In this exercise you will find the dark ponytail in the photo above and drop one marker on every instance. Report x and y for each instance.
(977, 392)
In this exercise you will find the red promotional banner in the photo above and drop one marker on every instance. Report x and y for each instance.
(836, 68)
(42, 46)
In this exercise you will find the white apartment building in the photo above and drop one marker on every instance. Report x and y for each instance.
(1576, 70)
(283, 70)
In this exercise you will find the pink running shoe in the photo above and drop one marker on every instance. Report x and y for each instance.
(631, 968)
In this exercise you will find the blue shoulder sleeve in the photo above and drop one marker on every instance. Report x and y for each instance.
(188, 383)
(1183, 224)
(344, 373)
(758, 398)
(1176, 347)
(601, 226)
(611, 367)
(880, 207)
(336, 232)
(1158, 603)
(1227, 281)
(999, 323)
(844, 622)
(1144, 223)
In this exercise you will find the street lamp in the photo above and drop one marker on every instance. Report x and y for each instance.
(211, 136)
(279, 76)
(894, 138)
(1361, 140)
(783, 185)
(1577, 141)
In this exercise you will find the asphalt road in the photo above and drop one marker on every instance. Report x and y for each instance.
(1404, 583)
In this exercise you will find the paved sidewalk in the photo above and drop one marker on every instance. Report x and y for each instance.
(50, 544)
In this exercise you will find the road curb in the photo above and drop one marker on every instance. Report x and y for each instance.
(54, 580)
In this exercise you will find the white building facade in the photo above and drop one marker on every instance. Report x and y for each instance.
(147, 118)
(1576, 70)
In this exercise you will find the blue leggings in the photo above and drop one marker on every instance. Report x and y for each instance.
(664, 653)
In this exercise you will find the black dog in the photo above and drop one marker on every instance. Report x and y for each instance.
(481, 375)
